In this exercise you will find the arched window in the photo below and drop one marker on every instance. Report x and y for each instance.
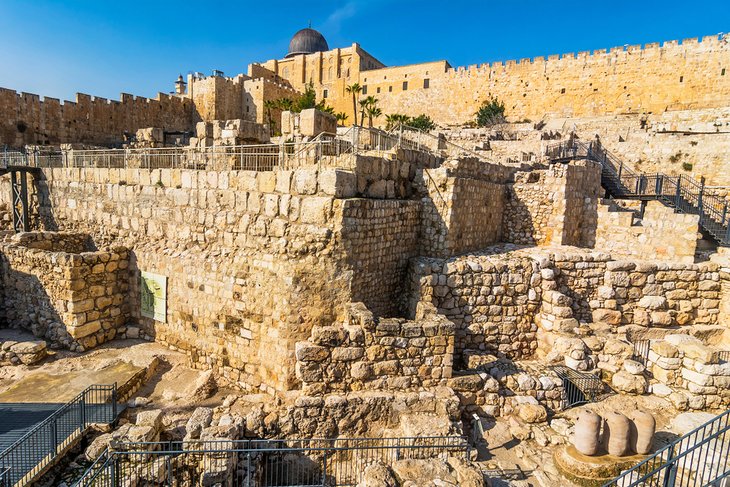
(285, 73)
(329, 73)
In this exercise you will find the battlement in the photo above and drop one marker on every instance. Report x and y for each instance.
(673, 47)
(33, 119)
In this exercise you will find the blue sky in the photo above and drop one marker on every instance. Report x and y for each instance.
(103, 47)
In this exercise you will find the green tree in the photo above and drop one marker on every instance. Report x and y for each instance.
(341, 117)
(422, 122)
(490, 113)
(354, 89)
(395, 119)
(306, 100)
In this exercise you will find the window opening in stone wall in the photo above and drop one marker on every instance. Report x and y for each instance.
(562, 91)
(377, 90)
(681, 79)
(324, 94)
(405, 85)
(426, 82)
(722, 73)
(390, 88)
(365, 89)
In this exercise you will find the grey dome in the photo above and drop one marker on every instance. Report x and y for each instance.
(307, 41)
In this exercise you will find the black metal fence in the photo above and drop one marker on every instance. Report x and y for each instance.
(699, 458)
(579, 387)
(28, 457)
(260, 463)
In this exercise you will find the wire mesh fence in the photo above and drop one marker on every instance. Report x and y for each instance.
(30, 455)
(260, 463)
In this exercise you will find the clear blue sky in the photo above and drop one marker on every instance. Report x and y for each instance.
(107, 47)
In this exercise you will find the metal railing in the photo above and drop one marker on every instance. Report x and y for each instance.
(30, 455)
(257, 157)
(5, 477)
(422, 140)
(683, 193)
(260, 463)
(579, 387)
(699, 458)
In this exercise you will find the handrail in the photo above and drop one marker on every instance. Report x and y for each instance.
(333, 459)
(666, 463)
(29, 456)
(682, 192)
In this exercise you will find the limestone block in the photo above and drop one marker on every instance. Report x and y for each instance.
(664, 348)
(628, 383)
(309, 352)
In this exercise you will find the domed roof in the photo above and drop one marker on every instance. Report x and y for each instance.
(307, 41)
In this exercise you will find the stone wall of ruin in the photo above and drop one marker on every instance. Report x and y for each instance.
(491, 300)
(55, 287)
(659, 234)
(369, 353)
(464, 207)
(253, 260)
(500, 301)
(555, 206)
(26, 119)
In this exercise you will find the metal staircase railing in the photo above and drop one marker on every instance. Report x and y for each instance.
(683, 193)
(427, 141)
(699, 458)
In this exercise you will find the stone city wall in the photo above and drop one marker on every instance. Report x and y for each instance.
(633, 79)
(60, 291)
(659, 234)
(377, 353)
(26, 119)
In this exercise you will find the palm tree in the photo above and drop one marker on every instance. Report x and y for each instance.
(396, 119)
(363, 108)
(355, 89)
(373, 112)
(269, 105)
(341, 117)
(369, 105)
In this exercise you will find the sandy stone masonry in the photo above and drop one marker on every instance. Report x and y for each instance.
(59, 289)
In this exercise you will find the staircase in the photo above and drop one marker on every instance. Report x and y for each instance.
(683, 193)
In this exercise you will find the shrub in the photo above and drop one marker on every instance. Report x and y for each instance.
(687, 166)
(490, 113)
(422, 122)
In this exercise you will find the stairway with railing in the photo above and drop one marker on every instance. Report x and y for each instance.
(25, 458)
(683, 193)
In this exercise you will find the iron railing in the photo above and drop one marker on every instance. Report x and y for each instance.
(699, 458)
(683, 193)
(5, 477)
(260, 463)
(579, 387)
(422, 140)
(30, 455)
(330, 149)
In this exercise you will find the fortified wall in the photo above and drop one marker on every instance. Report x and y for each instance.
(636, 79)
(26, 119)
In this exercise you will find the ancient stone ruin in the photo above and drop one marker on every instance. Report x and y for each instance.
(386, 307)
